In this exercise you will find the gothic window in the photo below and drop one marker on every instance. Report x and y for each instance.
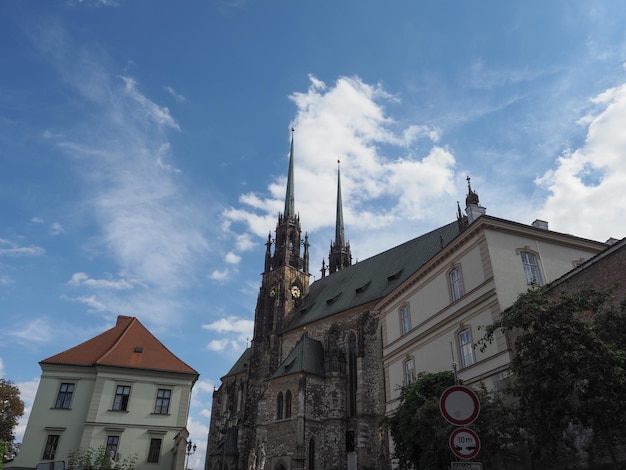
(64, 398)
(531, 268)
(311, 454)
(288, 404)
(465, 347)
(405, 319)
(279, 406)
(456, 283)
(352, 374)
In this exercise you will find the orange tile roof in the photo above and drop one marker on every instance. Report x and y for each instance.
(127, 344)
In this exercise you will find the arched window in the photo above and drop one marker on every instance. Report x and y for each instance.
(279, 406)
(311, 454)
(288, 404)
(352, 374)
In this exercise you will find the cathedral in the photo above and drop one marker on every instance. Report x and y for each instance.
(309, 391)
(328, 358)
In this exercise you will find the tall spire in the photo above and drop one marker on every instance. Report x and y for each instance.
(290, 211)
(340, 256)
(339, 233)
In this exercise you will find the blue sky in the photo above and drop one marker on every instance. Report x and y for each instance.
(144, 149)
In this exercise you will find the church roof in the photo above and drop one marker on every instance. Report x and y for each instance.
(242, 363)
(128, 344)
(371, 279)
(307, 356)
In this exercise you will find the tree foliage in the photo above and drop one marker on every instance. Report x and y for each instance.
(98, 459)
(11, 409)
(569, 368)
(421, 434)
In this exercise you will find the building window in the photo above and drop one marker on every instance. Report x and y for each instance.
(352, 374)
(456, 284)
(113, 443)
(155, 451)
(162, 405)
(531, 268)
(465, 346)
(51, 447)
(288, 404)
(409, 372)
(405, 319)
(279, 405)
(311, 454)
(122, 395)
(64, 398)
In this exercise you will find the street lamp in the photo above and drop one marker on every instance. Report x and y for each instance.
(191, 449)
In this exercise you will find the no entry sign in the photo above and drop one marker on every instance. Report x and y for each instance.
(459, 405)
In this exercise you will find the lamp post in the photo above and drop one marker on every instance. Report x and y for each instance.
(191, 449)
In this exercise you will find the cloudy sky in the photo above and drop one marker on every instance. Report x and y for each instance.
(144, 149)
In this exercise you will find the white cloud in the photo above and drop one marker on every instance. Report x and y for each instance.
(390, 173)
(177, 96)
(10, 248)
(232, 258)
(56, 229)
(586, 186)
(37, 220)
(236, 333)
(92, 302)
(82, 279)
(28, 390)
(34, 331)
(218, 275)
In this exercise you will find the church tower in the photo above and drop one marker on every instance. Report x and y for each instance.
(340, 256)
(285, 280)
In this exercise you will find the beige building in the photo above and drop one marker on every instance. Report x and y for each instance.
(122, 390)
(432, 321)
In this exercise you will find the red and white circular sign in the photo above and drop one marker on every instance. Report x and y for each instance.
(459, 405)
(464, 443)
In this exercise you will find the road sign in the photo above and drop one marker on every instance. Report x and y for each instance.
(464, 443)
(466, 466)
(459, 405)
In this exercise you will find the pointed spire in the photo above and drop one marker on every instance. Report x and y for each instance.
(290, 211)
(339, 232)
(340, 256)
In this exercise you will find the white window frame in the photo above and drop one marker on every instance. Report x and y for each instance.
(532, 267)
(408, 367)
(455, 280)
(466, 347)
(405, 319)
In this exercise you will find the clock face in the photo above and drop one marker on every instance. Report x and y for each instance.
(295, 292)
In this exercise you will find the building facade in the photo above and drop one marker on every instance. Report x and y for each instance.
(328, 358)
(122, 390)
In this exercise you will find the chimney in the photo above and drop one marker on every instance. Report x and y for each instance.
(542, 224)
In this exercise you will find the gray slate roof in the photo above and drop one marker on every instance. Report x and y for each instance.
(371, 279)
(307, 356)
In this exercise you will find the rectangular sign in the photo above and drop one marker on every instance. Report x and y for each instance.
(466, 466)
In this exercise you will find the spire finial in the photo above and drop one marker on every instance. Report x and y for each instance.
(339, 231)
(289, 196)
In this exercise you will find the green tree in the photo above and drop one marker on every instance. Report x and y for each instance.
(568, 368)
(421, 434)
(11, 409)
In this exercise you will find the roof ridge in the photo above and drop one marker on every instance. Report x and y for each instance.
(119, 338)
